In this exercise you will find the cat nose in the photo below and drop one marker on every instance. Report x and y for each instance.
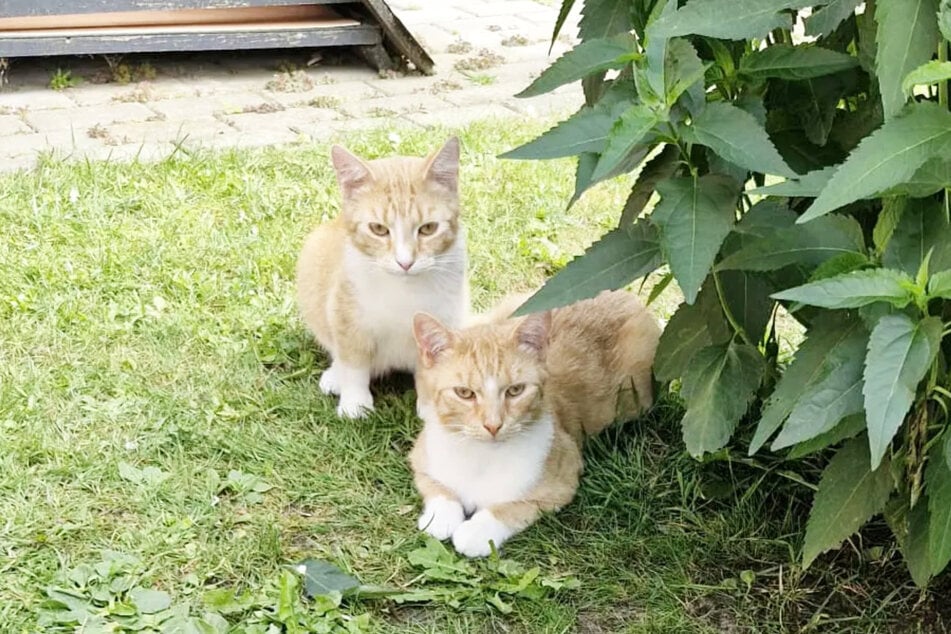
(492, 428)
(405, 263)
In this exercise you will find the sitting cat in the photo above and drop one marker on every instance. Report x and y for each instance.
(506, 405)
(396, 248)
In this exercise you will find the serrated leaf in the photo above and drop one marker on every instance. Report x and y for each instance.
(944, 19)
(735, 135)
(840, 264)
(588, 57)
(940, 285)
(437, 562)
(855, 289)
(566, 6)
(784, 61)
(683, 69)
(923, 227)
(889, 156)
(717, 388)
(832, 393)
(938, 482)
(729, 19)
(931, 177)
(801, 244)
(910, 528)
(323, 578)
(887, 221)
(150, 601)
(900, 352)
(630, 130)
(826, 19)
(604, 18)
(807, 185)
(662, 166)
(617, 259)
(928, 73)
(848, 427)
(694, 216)
(849, 495)
(585, 131)
(692, 327)
(747, 295)
(907, 38)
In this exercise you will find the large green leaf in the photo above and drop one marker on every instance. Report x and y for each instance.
(889, 156)
(694, 216)
(849, 494)
(662, 166)
(931, 177)
(855, 289)
(682, 69)
(938, 482)
(729, 19)
(940, 285)
(907, 38)
(614, 261)
(604, 18)
(910, 527)
(566, 6)
(588, 161)
(323, 578)
(747, 295)
(785, 61)
(717, 388)
(807, 185)
(735, 135)
(826, 19)
(888, 219)
(833, 392)
(630, 131)
(922, 227)
(692, 327)
(944, 19)
(930, 72)
(900, 352)
(586, 58)
(807, 245)
(848, 427)
(585, 131)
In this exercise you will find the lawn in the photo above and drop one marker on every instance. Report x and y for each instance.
(158, 398)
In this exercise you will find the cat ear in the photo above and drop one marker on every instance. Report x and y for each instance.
(442, 167)
(352, 171)
(532, 334)
(432, 338)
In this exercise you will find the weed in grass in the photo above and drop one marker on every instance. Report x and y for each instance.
(483, 60)
(294, 81)
(481, 79)
(62, 79)
(459, 47)
(516, 40)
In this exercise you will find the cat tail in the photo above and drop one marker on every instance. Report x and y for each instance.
(500, 312)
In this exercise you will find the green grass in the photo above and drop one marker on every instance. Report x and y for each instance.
(147, 317)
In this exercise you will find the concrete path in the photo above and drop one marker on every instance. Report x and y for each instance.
(144, 106)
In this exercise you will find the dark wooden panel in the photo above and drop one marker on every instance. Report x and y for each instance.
(11, 8)
(192, 41)
(397, 36)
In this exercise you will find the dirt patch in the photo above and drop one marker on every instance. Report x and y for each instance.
(482, 60)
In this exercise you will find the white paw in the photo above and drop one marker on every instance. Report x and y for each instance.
(441, 517)
(473, 536)
(355, 404)
(329, 381)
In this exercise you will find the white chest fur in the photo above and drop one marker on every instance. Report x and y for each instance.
(387, 303)
(482, 473)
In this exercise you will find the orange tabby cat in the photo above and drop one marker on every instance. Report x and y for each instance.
(506, 405)
(396, 248)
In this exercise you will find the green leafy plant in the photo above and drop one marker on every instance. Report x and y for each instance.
(809, 174)
(62, 79)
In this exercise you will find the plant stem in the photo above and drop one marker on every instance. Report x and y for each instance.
(943, 85)
(737, 328)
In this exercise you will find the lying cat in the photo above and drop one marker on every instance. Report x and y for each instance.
(506, 405)
(396, 248)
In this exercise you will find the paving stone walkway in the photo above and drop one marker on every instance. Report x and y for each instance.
(144, 106)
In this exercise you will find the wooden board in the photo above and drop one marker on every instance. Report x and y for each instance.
(12, 8)
(169, 29)
(236, 15)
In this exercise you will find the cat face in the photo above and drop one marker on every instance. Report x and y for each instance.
(484, 383)
(402, 213)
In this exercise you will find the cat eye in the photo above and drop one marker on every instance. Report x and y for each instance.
(464, 393)
(515, 390)
(428, 229)
(379, 230)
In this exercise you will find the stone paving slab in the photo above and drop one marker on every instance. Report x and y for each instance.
(143, 107)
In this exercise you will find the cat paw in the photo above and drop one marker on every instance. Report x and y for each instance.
(441, 517)
(329, 381)
(473, 536)
(355, 406)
